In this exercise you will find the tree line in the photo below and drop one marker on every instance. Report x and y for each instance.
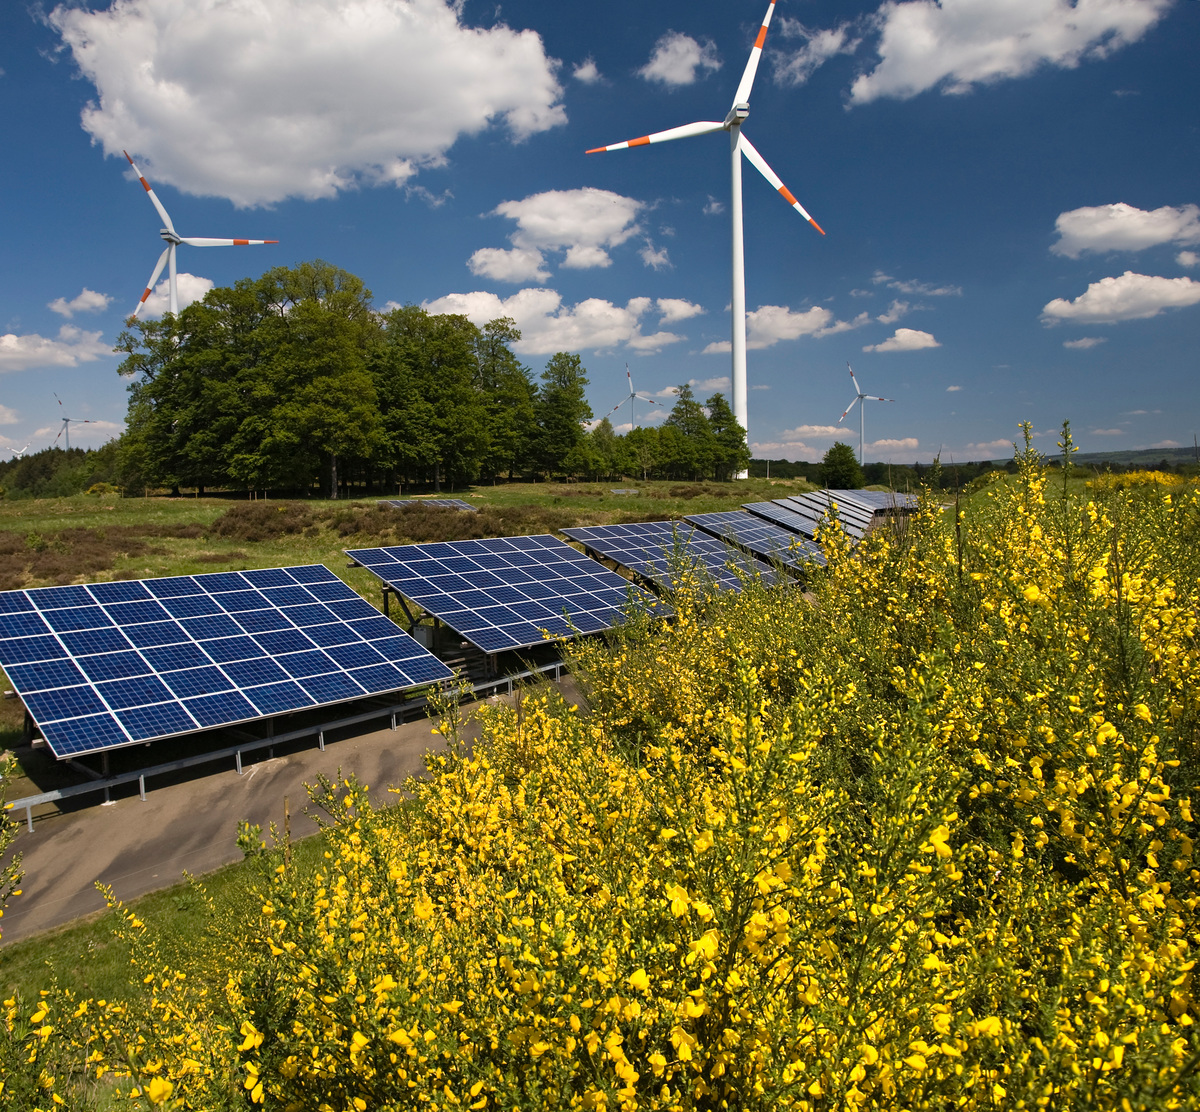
(294, 378)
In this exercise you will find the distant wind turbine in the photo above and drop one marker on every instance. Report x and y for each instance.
(66, 424)
(739, 145)
(630, 397)
(17, 452)
(173, 239)
(859, 399)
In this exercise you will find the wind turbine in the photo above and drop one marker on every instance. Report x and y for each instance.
(739, 145)
(66, 426)
(18, 453)
(630, 398)
(173, 239)
(859, 400)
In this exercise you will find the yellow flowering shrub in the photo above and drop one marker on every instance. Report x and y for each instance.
(918, 837)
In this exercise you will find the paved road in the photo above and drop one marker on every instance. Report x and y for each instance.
(138, 847)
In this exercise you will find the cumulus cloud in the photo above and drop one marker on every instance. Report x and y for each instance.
(1187, 258)
(547, 325)
(905, 339)
(584, 223)
(191, 288)
(912, 286)
(953, 389)
(905, 444)
(1129, 297)
(655, 257)
(714, 207)
(86, 301)
(587, 72)
(1085, 342)
(955, 45)
(7, 416)
(69, 348)
(1122, 227)
(769, 324)
(678, 59)
(896, 310)
(1108, 432)
(673, 309)
(257, 101)
(796, 67)
(719, 382)
(1166, 444)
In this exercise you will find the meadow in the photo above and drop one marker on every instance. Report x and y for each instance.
(919, 837)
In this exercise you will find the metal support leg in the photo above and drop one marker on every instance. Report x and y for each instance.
(238, 761)
(321, 741)
(142, 787)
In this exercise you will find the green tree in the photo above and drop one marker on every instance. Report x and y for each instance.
(562, 407)
(731, 454)
(693, 456)
(509, 398)
(840, 469)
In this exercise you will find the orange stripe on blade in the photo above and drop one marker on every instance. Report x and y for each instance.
(596, 150)
(241, 242)
(639, 142)
(816, 225)
(145, 184)
(762, 37)
(144, 296)
(787, 195)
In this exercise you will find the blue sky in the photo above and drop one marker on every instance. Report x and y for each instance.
(1009, 190)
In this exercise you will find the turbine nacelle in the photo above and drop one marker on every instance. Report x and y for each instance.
(169, 236)
(737, 115)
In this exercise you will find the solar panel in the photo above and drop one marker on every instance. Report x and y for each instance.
(786, 515)
(500, 594)
(763, 538)
(442, 503)
(876, 501)
(656, 549)
(112, 664)
(855, 520)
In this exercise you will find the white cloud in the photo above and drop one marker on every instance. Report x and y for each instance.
(1108, 432)
(585, 223)
(587, 72)
(1085, 342)
(86, 301)
(720, 382)
(906, 444)
(957, 44)
(989, 447)
(1129, 297)
(71, 347)
(655, 257)
(517, 265)
(896, 310)
(912, 286)
(1122, 227)
(673, 309)
(768, 324)
(428, 197)
(819, 47)
(905, 339)
(953, 389)
(713, 207)
(677, 58)
(1187, 258)
(190, 286)
(548, 326)
(7, 416)
(259, 101)
(1166, 444)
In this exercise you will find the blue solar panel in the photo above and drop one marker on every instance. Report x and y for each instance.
(877, 501)
(475, 586)
(440, 503)
(111, 664)
(763, 538)
(663, 550)
(855, 520)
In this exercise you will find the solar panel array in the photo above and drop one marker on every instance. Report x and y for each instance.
(760, 537)
(111, 664)
(500, 594)
(441, 503)
(877, 501)
(656, 549)
(791, 519)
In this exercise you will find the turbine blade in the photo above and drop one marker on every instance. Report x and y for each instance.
(201, 242)
(629, 379)
(647, 398)
(872, 398)
(742, 96)
(857, 388)
(760, 164)
(617, 406)
(848, 408)
(158, 269)
(157, 203)
(684, 132)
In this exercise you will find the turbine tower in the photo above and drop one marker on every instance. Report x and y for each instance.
(66, 424)
(633, 394)
(739, 146)
(859, 400)
(173, 239)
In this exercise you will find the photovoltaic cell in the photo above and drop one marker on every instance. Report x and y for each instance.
(110, 664)
(791, 519)
(441, 503)
(855, 519)
(502, 593)
(763, 538)
(663, 550)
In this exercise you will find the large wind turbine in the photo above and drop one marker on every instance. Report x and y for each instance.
(173, 239)
(630, 398)
(738, 145)
(66, 424)
(860, 400)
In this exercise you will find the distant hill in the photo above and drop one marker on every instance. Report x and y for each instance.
(1147, 458)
